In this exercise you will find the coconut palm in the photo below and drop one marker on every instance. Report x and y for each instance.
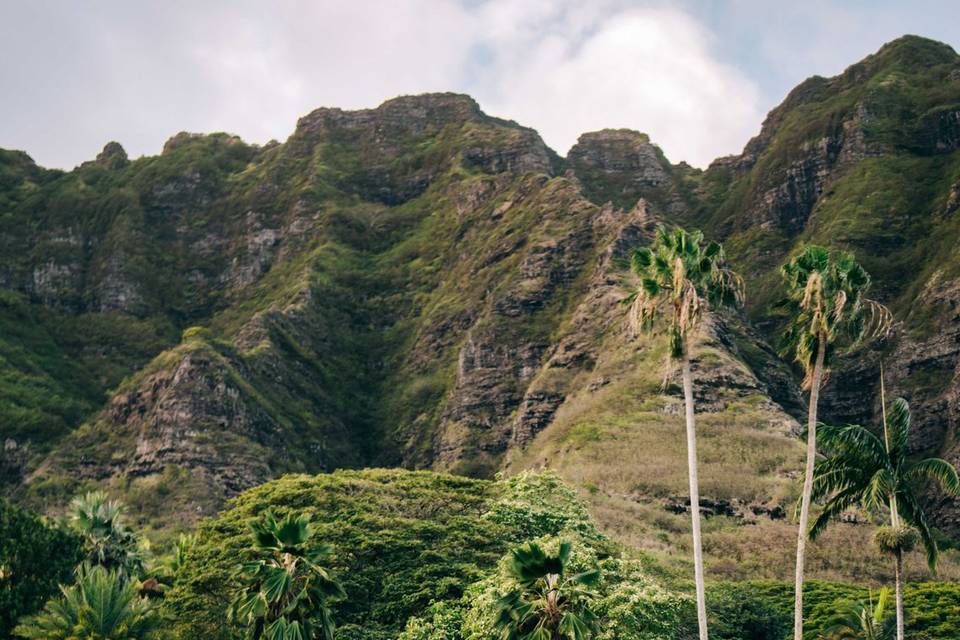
(548, 604)
(103, 604)
(288, 590)
(863, 621)
(828, 307)
(860, 468)
(679, 278)
(107, 541)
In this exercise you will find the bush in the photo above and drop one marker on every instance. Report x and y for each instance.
(35, 556)
(737, 614)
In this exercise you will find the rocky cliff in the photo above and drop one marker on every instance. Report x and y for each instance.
(423, 285)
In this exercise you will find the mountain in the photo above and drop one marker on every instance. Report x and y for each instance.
(423, 285)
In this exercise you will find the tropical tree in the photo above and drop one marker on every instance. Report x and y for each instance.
(547, 604)
(35, 557)
(863, 621)
(103, 604)
(162, 570)
(860, 468)
(679, 278)
(107, 541)
(288, 590)
(828, 308)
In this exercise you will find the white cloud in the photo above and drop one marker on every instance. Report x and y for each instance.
(648, 69)
(138, 73)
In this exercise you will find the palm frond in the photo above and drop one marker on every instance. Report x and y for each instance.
(912, 513)
(936, 469)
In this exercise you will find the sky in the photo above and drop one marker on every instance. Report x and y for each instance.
(697, 75)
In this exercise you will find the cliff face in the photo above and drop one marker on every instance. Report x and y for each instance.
(867, 160)
(423, 285)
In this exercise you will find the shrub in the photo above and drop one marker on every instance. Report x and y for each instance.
(35, 556)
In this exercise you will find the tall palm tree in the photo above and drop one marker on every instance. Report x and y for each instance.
(107, 541)
(288, 590)
(863, 621)
(102, 604)
(680, 277)
(828, 308)
(548, 604)
(860, 468)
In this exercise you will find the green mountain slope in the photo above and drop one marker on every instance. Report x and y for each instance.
(422, 285)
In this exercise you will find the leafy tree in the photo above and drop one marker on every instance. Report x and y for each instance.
(102, 605)
(826, 299)
(863, 621)
(288, 591)
(547, 605)
(862, 468)
(679, 278)
(35, 556)
(108, 542)
(738, 613)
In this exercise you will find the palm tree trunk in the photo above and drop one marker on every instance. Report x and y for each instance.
(894, 510)
(694, 494)
(807, 486)
(899, 578)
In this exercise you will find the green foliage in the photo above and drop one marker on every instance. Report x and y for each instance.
(534, 505)
(736, 614)
(35, 556)
(287, 591)
(427, 548)
(864, 621)
(626, 602)
(859, 467)
(102, 605)
(931, 608)
(107, 541)
(404, 539)
(826, 301)
(679, 273)
(547, 603)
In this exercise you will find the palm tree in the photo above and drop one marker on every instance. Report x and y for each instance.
(107, 541)
(863, 621)
(862, 468)
(102, 604)
(826, 299)
(288, 590)
(680, 278)
(547, 605)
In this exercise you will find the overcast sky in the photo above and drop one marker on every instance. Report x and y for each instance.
(697, 75)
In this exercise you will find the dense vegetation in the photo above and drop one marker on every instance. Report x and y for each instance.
(424, 286)
(446, 576)
(35, 557)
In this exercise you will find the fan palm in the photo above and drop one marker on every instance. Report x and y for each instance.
(679, 278)
(547, 605)
(860, 468)
(863, 621)
(102, 605)
(107, 542)
(828, 308)
(288, 590)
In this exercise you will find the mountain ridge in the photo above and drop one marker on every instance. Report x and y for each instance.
(423, 285)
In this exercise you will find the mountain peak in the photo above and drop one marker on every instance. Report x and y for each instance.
(412, 113)
(113, 156)
(911, 48)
